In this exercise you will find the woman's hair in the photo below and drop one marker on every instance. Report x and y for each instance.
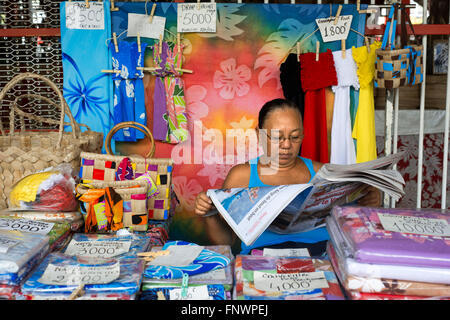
(273, 105)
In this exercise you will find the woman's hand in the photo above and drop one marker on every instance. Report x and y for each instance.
(372, 198)
(202, 204)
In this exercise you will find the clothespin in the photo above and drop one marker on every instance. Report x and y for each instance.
(160, 43)
(317, 50)
(178, 42)
(87, 4)
(358, 5)
(113, 8)
(343, 48)
(184, 285)
(198, 4)
(149, 256)
(152, 13)
(139, 42)
(79, 291)
(160, 295)
(366, 41)
(338, 14)
(298, 51)
(115, 42)
(111, 71)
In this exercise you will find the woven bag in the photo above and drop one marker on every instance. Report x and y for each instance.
(134, 196)
(30, 151)
(103, 167)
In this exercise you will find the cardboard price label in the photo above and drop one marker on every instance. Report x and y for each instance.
(334, 32)
(76, 275)
(192, 18)
(80, 17)
(193, 293)
(415, 225)
(25, 225)
(140, 23)
(278, 282)
(97, 249)
(294, 252)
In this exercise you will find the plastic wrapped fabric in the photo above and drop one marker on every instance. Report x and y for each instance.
(245, 267)
(368, 242)
(378, 296)
(10, 292)
(74, 218)
(91, 296)
(215, 292)
(386, 286)
(128, 282)
(352, 267)
(206, 261)
(222, 276)
(139, 243)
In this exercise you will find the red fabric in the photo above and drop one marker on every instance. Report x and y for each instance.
(316, 76)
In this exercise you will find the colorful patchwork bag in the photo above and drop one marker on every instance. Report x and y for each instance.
(395, 68)
(110, 168)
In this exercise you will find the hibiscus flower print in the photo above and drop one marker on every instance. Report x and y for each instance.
(232, 79)
(196, 108)
(186, 191)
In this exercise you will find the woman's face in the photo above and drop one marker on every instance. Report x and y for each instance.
(284, 131)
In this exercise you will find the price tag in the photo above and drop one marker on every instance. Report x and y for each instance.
(415, 225)
(75, 275)
(295, 252)
(25, 225)
(140, 23)
(193, 293)
(277, 282)
(191, 18)
(333, 32)
(7, 243)
(80, 17)
(97, 249)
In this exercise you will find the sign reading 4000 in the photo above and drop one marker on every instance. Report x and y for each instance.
(80, 17)
(194, 17)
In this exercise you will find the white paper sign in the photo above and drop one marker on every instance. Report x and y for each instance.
(294, 252)
(330, 31)
(7, 243)
(75, 275)
(416, 225)
(140, 23)
(217, 275)
(277, 282)
(97, 249)
(25, 225)
(191, 18)
(193, 293)
(80, 17)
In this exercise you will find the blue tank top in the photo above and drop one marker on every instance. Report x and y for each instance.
(268, 238)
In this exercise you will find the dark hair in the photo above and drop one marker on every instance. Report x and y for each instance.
(272, 105)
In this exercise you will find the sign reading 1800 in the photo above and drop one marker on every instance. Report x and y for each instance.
(193, 17)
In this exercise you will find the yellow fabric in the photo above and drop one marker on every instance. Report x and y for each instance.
(364, 127)
(26, 189)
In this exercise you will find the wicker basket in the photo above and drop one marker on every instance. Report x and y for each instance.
(30, 151)
(102, 167)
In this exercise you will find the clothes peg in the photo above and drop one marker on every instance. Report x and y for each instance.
(153, 254)
(160, 43)
(87, 4)
(358, 5)
(152, 13)
(139, 42)
(343, 48)
(116, 46)
(366, 41)
(79, 291)
(317, 50)
(338, 14)
(184, 285)
(160, 295)
(178, 42)
(198, 4)
(113, 7)
(298, 51)
(110, 71)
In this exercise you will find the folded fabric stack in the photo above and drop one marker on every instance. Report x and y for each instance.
(208, 272)
(20, 252)
(158, 231)
(390, 254)
(93, 250)
(284, 278)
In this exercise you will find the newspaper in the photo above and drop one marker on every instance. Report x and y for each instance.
(302, 207)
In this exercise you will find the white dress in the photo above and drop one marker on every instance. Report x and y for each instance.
(342, 146)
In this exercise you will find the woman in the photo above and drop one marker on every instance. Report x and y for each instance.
(280, 120)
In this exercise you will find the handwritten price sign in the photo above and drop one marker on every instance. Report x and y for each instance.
(192, 18)
(97, 249)
(415, 225)
(80, 17)
(193, 293)
(7, 243)
(26, 225)
(333, 32)
(278, 282)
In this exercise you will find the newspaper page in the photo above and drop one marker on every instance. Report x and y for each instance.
(249, 211)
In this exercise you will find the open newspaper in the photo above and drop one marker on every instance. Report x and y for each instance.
(303, 207)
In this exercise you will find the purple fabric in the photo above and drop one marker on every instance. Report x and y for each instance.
(370, 243)
(88, 162)
(259, 264)
(159, 95)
